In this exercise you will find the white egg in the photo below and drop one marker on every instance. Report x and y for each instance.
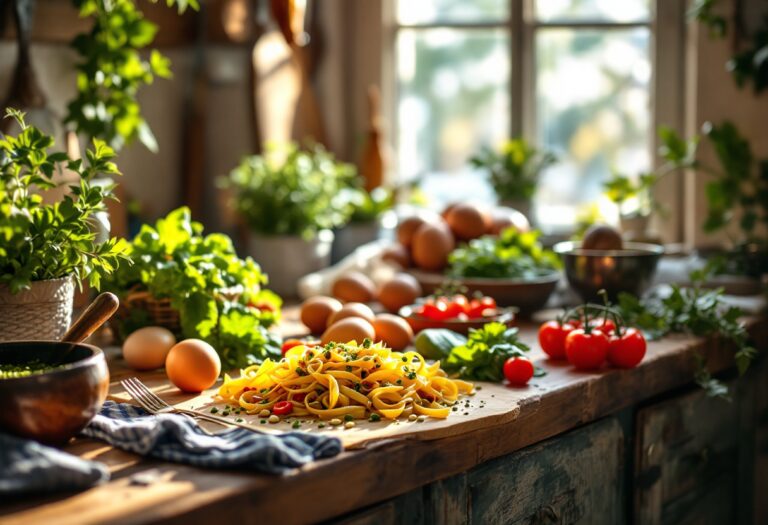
(147, 348)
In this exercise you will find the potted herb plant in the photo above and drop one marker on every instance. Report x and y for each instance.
(290, 199)
(366, 210)
(514, 172)
(635, 201)
(46, 249)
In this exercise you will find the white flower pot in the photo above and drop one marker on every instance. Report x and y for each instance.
(285, 259)
(350, 237)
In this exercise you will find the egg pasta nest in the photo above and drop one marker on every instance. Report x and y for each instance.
(340, 380)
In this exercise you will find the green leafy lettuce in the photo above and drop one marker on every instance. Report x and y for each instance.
(218, 295)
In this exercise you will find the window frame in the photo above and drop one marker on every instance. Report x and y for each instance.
(374, 35)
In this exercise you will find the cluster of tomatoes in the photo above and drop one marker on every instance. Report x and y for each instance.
(457, 306)
(587, 342)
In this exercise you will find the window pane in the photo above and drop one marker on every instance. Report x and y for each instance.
(431, 11)
(593, 10)
(592, 111)
(453, 95)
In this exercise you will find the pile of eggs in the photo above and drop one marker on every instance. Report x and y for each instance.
(192, 365)
(353, 321)
(426, 240)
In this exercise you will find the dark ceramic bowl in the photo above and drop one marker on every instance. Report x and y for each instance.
(52, 406)
(528, 296)
(629, 270)
(462, 326)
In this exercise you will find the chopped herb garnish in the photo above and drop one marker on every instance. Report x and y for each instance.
(348, 418)
(367, 343)
(214, 410)
(349, 368)
(374, 418)
(296, 424)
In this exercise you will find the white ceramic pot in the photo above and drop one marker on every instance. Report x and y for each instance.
(350, 237)
(285, 259)
(41, 313)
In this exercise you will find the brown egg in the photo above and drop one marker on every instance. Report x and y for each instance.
(397, 254)
(467, 221)
(193, 365)
(393, 330)
(447, 209)
(349, 329)
(432, 244)
(602, 237)
(354, 286)
(363, 311)
(315, 312)
(401, 290)
(408, 226)
(503, 218)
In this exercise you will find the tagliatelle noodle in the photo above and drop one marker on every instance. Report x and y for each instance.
(346, 380)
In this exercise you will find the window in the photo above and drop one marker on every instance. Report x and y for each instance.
(572, 76)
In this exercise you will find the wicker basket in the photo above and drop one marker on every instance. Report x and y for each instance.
(160, 312)
(42, 312)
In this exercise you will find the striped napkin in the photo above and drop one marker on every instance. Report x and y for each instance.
(176, 438)
(29, 467)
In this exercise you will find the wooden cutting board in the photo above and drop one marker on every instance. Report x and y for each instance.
(493, 404)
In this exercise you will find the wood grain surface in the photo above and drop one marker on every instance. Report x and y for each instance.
(386, 465)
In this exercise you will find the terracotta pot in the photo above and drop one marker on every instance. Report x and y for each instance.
(43, 312)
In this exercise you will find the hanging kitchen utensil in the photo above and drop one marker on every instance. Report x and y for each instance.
(25, 92)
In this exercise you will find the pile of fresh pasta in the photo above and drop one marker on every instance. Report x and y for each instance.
(346, 381)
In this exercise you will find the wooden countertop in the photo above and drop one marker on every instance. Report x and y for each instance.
(147, 491)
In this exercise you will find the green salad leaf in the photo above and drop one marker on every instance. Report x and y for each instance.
(219, 296)
(482, 357)
(512, 255)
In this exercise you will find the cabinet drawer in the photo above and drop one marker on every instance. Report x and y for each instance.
(687, 460)
(573, 478)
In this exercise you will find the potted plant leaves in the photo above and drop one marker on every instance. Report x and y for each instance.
(196, 286)
(634, 198)
(736, 192)
(366, 210)
(45, 249)
(290, 199)
(514, 172)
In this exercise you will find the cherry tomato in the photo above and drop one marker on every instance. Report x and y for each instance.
(478, 307)
(586, 351)
(282, 407)
(552, 338)
(456, 306)
(518, 370)
(434, 310)
(606, 326)
(628, 350)
(290, 343)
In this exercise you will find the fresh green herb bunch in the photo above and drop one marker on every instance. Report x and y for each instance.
(218, 295)
(290, 191)
(40, 241)
(514, 170)
(111, 71)
(367, 206)
(512, 255)
(482, 357)
(697, 311)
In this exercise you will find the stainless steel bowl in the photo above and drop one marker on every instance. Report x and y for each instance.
(628, 270)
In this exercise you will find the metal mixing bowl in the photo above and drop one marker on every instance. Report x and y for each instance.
(628, 270)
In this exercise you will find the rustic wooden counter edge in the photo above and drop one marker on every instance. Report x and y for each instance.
(359, 478)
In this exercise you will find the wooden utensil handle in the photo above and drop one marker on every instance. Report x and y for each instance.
(97, 313)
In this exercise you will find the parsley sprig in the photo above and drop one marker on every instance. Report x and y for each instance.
(697, 311)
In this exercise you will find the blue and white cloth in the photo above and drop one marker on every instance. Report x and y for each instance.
(176, 438)
(29, 467)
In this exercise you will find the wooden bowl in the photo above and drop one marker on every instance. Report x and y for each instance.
(52, 406)
(528, 296)
(419, 323)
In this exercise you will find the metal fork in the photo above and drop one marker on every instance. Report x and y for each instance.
(153, 404)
